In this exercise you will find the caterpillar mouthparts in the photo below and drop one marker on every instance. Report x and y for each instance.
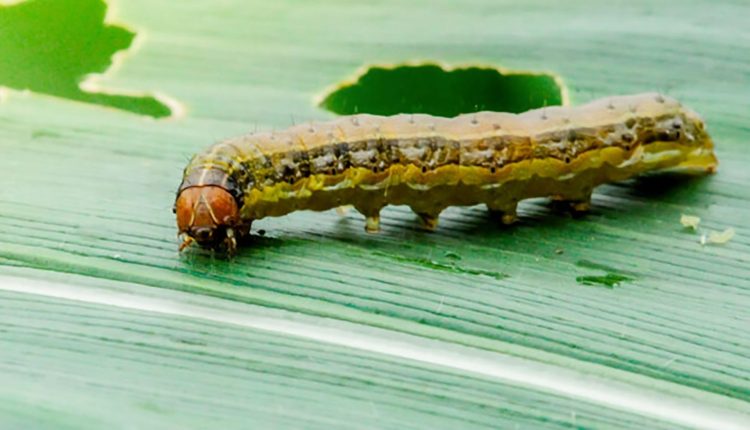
(430, 163)
(209, 215)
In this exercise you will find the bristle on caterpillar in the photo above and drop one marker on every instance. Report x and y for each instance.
(430, 163)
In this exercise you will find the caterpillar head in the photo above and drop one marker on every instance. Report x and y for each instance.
(209, 215)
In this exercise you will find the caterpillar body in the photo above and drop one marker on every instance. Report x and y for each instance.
(430, 163)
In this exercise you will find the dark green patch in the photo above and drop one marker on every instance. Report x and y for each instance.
(451, 255)
(433, 90)
(609, 280)
(450, 267)
(613, 278)
(49, 46)
(41, 134)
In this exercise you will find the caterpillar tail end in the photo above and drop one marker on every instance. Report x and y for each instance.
(208, 215)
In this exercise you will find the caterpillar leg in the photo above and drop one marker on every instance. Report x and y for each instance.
(372, 223)
(230, 241)
(576, 207)
(428, 220)
(372, 217)
(505, 214)
(580, 206)
(186, 241)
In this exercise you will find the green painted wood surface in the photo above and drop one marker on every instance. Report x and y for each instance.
(183, 372)
(88, 190)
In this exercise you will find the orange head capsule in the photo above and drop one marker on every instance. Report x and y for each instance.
(209, 215)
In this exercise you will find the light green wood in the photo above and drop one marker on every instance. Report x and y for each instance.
(137, 369)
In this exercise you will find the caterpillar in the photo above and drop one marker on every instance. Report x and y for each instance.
(430, 163)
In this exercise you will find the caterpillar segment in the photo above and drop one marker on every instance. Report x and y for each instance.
(430, 163)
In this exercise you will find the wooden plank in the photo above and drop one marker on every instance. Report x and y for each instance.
(68, 363)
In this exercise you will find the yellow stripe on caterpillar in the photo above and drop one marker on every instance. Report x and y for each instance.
(430, 163)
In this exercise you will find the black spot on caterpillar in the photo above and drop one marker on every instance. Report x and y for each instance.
(430, 163)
